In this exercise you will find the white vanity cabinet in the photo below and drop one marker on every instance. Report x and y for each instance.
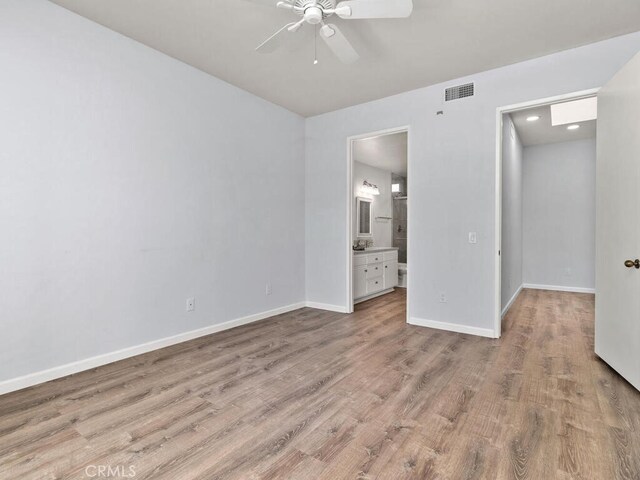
(374, 273)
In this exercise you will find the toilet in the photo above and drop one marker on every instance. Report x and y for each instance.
(402, 275)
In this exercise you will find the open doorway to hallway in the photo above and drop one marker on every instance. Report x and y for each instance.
(379, 200)
(548, 198)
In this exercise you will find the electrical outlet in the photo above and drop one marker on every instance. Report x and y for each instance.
(567, 272)
(268, 290)
(473, 237)
(191, 304)
(443, 297)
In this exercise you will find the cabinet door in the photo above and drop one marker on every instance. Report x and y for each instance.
(359, 281)
(390, 274)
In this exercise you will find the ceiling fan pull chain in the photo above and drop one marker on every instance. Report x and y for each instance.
(315, 45)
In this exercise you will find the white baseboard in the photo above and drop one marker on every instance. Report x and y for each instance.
(559, 288)
(373, 295)
(326, 306)
(452, 327)
(31, 379)
(510, 302)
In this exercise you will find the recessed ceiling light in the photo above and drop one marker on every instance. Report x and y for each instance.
(573, 127)
(533, 118)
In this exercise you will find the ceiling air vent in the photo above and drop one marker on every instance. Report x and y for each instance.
(459, 91)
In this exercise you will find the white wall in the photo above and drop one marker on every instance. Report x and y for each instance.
(511, 250)
(451, 180)
(559, 210)
(128, 182)
(382, 204)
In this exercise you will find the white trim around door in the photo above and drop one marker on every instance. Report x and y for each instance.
(500, 111)
(349, 206)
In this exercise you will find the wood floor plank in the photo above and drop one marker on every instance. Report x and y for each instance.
(319, 395)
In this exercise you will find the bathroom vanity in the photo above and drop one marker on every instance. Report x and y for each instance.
(375, 272)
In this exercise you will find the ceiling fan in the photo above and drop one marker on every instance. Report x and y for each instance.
(315, 12)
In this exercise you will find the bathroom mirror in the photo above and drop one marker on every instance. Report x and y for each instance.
(363, 220)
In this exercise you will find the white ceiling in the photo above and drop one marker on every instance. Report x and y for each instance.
(542, 132)
(442, 40)
(388, 152)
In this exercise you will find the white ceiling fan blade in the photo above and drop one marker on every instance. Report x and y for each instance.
(374, 8)
(338, 43)
(275, 40)
(270, 3)
(285, 5)
(294, 27)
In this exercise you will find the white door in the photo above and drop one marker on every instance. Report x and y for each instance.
(617, 334)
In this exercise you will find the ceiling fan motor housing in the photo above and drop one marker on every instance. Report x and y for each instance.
(313, 15)
(313, 11)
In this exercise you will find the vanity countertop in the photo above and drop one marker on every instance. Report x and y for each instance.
(374, 250)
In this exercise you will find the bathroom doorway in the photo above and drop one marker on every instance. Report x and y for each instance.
(378, 213)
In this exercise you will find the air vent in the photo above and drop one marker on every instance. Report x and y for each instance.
(459, 91)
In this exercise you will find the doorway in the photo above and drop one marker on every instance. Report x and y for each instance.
(545, 198)
(378, 213)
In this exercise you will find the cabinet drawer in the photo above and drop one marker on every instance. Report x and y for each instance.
(374, 258)
(373, 271)
(359, 259)
(374, 285)
(390, 256)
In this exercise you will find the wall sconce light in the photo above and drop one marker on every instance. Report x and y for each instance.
(369, 188)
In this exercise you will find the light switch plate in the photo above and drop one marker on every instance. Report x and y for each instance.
(473, 237)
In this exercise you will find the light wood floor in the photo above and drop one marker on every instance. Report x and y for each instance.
(317, 395)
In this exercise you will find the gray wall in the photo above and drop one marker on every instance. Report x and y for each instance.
(382, 206)
(451, 180)
(128, 184)
(559, 214)
(511, 249)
